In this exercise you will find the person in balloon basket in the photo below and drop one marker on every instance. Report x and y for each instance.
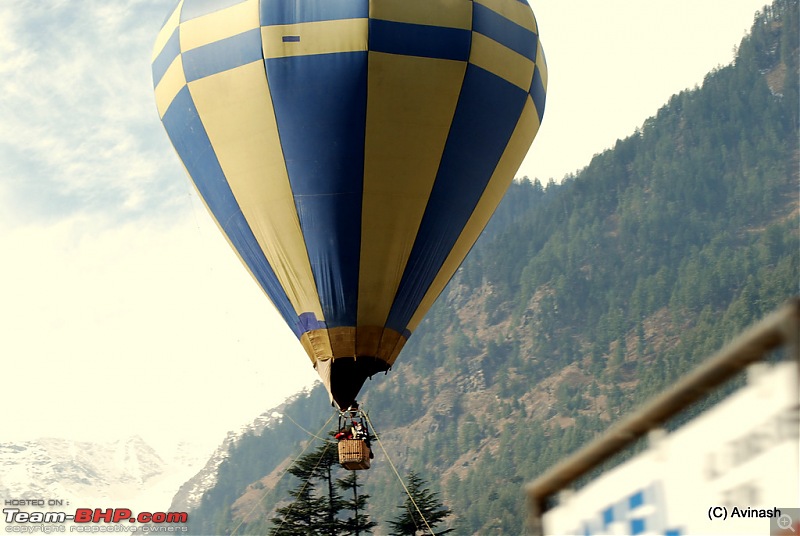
(360, 432)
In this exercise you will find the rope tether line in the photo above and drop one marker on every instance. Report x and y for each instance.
(385, 453)
(267, 492)
(315, 436)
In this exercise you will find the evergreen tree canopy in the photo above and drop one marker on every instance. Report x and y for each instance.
(421, 511)
(358, 521)
(309, 511)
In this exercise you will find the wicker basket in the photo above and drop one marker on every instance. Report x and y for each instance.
(354, 454)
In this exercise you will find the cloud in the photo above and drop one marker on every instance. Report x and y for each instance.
(80, 131)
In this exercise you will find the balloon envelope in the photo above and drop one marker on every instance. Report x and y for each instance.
(351, 151)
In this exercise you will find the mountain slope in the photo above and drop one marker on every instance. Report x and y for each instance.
(580, 301)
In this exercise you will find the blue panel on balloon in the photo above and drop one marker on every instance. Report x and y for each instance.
(274, 12)
(320, 105)
(419, 40)
(222, 55)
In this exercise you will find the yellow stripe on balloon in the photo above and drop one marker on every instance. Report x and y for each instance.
(406, 133)
(236, 110)
(219, 25)
(501, 61)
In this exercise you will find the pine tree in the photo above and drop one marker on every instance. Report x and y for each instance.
(310, 512)
(327, 457)
(301, 516)
(359, 522)
(422, 500)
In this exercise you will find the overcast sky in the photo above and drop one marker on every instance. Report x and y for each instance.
(122, 310)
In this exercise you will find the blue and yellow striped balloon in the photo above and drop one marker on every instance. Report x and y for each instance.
(351, 151)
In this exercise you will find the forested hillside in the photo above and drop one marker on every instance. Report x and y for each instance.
(581, 300)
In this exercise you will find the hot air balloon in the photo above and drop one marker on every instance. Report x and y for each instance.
(351, 151)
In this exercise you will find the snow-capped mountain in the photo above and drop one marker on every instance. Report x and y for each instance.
(126, 473)
(120, 474)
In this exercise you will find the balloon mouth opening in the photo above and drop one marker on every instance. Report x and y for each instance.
(346, 377)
